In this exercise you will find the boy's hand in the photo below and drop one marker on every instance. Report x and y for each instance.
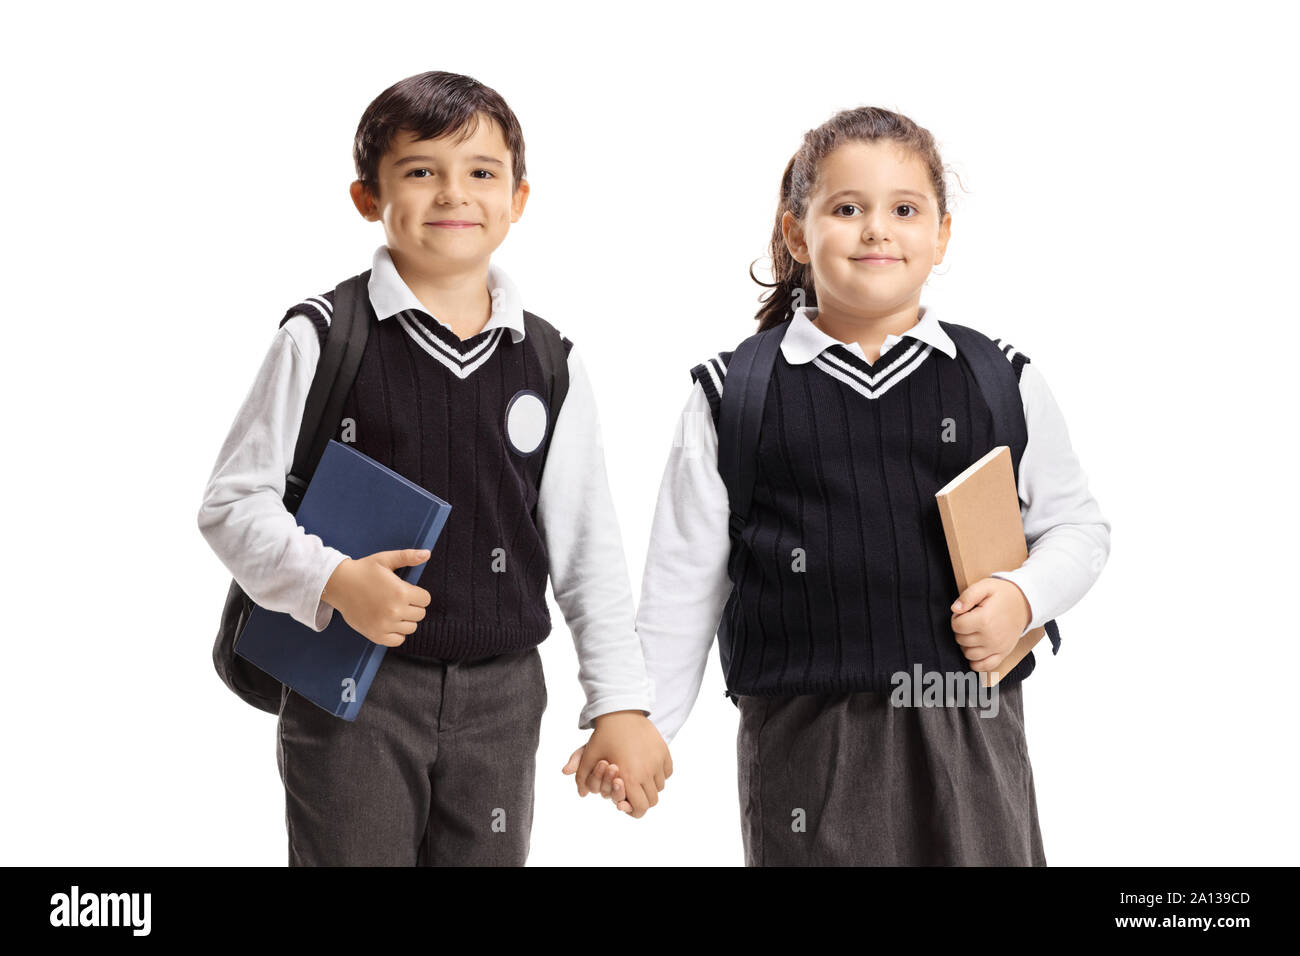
(988, 619)
(374, 601)
(637, 753)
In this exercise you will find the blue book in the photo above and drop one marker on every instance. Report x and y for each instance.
(359, 506)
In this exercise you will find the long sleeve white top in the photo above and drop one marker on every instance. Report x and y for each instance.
(685, 585)
(283, 568)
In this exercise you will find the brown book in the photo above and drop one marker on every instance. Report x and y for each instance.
(980, 509)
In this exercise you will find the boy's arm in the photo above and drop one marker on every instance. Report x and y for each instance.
(685, 584)
(243, 517)
(1068, 538)
(588, 568)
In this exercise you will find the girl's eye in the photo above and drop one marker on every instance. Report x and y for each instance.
(414, 171)
(915, 211)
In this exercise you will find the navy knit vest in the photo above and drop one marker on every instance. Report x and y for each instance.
(844, 577)
(409, 411)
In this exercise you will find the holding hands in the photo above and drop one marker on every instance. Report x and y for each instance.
(625, 760)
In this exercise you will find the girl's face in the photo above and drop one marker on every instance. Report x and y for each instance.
(871, 230)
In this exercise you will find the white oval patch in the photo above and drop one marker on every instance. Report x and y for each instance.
(526, 422)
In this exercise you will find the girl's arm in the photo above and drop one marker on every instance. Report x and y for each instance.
(1069, 539)
(588, 568)
(243, 517)
(685, 585)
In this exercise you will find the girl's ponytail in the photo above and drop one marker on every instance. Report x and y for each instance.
(790, 288)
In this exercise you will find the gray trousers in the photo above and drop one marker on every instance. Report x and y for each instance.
(851, 780)
(437, 769)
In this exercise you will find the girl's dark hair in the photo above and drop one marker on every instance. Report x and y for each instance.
(865, 124)
(431, 105)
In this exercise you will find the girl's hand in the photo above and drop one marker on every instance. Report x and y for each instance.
(989, 618)
(603, 779)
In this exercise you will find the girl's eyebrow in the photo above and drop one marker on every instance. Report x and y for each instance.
(897, 192)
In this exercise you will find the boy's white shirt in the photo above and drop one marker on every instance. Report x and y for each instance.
(283, 568)
(685, 585)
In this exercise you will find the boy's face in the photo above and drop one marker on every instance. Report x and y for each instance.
(444, 203)
(871, 230)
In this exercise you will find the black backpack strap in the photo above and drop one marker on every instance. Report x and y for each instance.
(740, 418)
(1053, 635)
(998, 378)
(552, 350)
(999, 383)
(336, 370)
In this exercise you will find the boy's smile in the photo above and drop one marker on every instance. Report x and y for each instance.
(446, 205)
(442, 201)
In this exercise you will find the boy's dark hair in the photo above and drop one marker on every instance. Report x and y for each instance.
(864, 124)
(432, 105)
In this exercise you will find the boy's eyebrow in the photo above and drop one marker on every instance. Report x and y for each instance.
(897, 192)
(429, 159)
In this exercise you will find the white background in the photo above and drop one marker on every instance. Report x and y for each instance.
(177, 176)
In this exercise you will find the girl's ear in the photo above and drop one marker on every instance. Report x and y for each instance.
(945, 231)
(792, 232)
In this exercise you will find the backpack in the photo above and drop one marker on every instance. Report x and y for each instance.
(740, 417)
(335, 373)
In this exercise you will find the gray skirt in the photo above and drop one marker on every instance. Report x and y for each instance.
(852, 780)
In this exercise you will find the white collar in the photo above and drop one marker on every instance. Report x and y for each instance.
(804, 341)
(389, 294)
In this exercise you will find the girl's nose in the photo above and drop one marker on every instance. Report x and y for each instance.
(874, 228)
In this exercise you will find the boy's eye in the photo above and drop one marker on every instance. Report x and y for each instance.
(423, 169)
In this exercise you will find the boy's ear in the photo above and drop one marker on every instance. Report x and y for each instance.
(364, 201)
(519, 200)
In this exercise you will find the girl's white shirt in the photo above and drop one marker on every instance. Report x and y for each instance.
(685, 585)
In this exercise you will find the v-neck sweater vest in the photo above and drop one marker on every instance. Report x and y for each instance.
(844, 578)
(433, 408)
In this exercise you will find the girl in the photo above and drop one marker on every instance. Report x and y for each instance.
(840, 579)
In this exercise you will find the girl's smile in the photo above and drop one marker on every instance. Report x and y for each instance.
(870, 233)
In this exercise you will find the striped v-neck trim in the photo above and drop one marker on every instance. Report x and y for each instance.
(872, 381)
(461, 358)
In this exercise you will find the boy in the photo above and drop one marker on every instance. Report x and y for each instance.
(438, 768)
